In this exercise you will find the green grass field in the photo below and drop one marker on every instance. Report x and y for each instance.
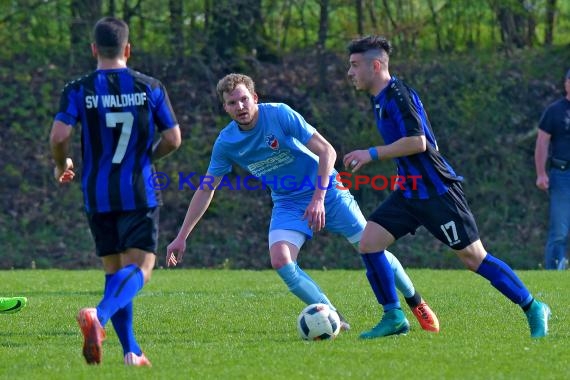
(224, 324)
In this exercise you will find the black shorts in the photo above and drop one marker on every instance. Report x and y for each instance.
(446, 217)
(114, 232)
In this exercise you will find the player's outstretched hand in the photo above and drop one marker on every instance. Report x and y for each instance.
(175, 252)
(356, 159)
(65, 174)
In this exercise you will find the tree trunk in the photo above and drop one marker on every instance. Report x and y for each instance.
(517, 23)
(176, 30)
(359, 17)
(372, 14)
(233, 31)
(435, 22)
(84, 16)
(286, 23)
(129, 12)
(321, 44)
(393, 24)
(549, 22)
(112, 8)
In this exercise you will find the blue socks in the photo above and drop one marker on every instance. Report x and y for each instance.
(302, 285)
(123, 324)
(504, 280)
(120, 291)
(381, 277)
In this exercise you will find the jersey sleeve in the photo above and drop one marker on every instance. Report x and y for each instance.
(220, 164)
(294, 124)
(545, 124)
(164, 116)
(68, 111)
(406, 110)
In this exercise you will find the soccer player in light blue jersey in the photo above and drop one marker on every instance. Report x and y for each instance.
(275, 144)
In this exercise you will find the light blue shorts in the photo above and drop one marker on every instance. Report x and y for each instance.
(342, 215)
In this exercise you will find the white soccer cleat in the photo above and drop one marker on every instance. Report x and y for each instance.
(138, 361)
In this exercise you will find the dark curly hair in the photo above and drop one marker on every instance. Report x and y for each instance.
(364, 44)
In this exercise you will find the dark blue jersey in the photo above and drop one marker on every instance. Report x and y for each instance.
(556, 122)
(399, 113)
(119, 111)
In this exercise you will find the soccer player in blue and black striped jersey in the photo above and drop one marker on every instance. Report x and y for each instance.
(120, 111)
(429, 193)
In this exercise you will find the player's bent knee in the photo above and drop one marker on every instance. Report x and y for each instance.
(368, 247)
(147, 274)
(279, 262)
(144, 260)
(470, 263)
(472, 256)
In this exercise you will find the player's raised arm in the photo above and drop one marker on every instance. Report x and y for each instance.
(405, 146)
(198, 205)
(315, 211)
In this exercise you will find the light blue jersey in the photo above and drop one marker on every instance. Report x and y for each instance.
(275, 152)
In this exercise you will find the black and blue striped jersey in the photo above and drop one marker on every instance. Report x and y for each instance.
(120, 111)
(399, 113)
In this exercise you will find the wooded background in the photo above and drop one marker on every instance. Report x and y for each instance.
(485, 70)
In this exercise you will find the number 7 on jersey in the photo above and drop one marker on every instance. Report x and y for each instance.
(125, 119)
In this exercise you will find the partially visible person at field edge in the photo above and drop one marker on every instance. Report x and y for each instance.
(271, 140)
(120, 111)
(553, 146)
(437, 203)
(9, 305)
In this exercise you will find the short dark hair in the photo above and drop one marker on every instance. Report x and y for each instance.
(364, 44)
(231, 81)
(111, 35)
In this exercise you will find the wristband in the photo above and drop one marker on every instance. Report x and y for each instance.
(373, 153)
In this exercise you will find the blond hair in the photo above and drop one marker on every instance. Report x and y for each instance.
(231, 81)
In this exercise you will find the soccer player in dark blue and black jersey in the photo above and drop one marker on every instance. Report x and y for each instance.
(429, 193)
(127, 123)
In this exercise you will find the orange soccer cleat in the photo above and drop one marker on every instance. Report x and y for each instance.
(93, 335)
(426, 317)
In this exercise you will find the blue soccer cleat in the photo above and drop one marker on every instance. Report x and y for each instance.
(537, 316)
(393, 322)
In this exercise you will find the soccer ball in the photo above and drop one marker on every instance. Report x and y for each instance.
(318, 322)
